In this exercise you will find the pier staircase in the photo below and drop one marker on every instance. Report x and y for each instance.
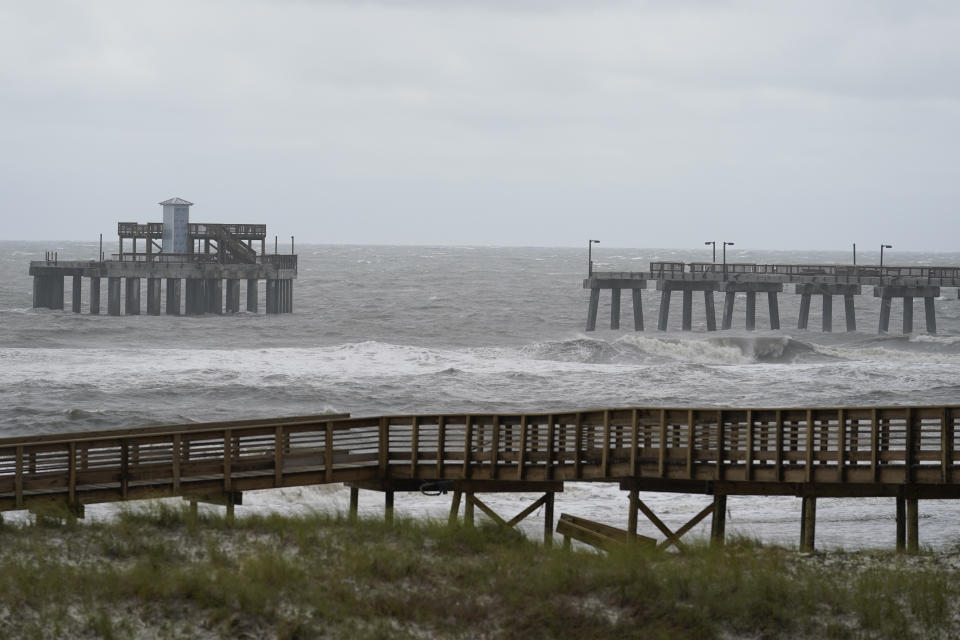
(229, 248)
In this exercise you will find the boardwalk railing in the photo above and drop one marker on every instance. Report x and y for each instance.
(857, 451)
(670, 269)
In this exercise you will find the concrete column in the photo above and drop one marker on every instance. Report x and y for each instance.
(132, 307)
(38, 290)
(931, 314)
(808, 524)
(153, 296)
(827, 313)
(95, 296)
(664, 310)
(252, 295)
(718, 527)
(214, 290)
(913, 525)
(885, 313)
(728, 300)
(850, 311)
(774, 309)
(614, 306)
(196, 302)
(804, 311)
(173, 296)
(637, 310)
(75, 294)
(687, 310)
(272, 296)
(751, 310)
(907, 314)
(591, 309)
(290, 296)
(113, 296)
(233, 295)
(709, 311)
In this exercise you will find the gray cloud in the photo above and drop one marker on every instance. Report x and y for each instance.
(799, 124)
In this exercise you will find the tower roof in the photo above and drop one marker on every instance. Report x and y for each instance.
(180, 202)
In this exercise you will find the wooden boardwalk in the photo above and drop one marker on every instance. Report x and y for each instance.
(909, 453)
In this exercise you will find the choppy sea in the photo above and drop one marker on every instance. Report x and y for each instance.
(389, 329)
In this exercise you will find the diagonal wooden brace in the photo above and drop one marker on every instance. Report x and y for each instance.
(516, 519)
(673, 538)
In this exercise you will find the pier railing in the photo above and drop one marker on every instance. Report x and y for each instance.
(853, 451)
(668, 269)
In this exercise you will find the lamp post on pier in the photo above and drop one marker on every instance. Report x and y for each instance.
(725, 243)
(882, 247)
(590, 256)
(714, 243)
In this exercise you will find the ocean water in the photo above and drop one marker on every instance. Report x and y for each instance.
(380, 329)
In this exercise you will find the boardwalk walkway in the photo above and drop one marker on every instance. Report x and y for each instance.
(905, 452)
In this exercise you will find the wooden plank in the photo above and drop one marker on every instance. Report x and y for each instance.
(810, 434)
(441, 444)
(383, 435)
(495, 447)
(467, 437)
(874, 445)
(278, 454)
(175, 462)
(691, 434)
(841, 445)
(72, 482)
(522, 449)
(18, 479)
(946, 445)
(124, 468)
(227, 459)
(674, 539)
(487, 510)
(778, 458)
(414, 445)
(605, 454)
(578, 448)
(662, 455)
(634, 442)
(912, 445)
(664, 529)
(328, 453)
(748, 457)
(720, 437)
(551, 444)
(526, 512)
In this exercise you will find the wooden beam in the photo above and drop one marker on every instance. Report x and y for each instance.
(658, 523)
(674, 539)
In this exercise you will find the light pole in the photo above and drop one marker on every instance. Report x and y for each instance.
(590, 256)
(714, 243)
(854, 254)
(882, 247)
(725, 243)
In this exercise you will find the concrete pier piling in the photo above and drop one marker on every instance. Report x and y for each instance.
(825, 281)
(94, 296)
(132, 305)
(153, 296)
(113, 296)
(252, 295)
(173, 296)
(75, 292)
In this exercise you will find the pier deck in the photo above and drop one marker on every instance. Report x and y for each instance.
(825, 280)
(909, 453)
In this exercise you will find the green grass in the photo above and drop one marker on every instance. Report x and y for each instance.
(159, 571)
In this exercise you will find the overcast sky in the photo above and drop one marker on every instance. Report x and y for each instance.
(643, 124)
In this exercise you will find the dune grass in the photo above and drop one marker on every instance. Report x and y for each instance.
(160, 572)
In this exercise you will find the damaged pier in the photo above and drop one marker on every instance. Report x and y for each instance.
(189, 269)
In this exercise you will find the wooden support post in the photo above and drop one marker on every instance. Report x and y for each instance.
(687, 310)
(637, 310)
(907, 315)
(591, 309)
(388, 507)
(454, 507)
(913, 524)
(718, 525)
(827, 313)
(804, 317)
(548, 518)
(615, 308)
(931, 315)
(709, 311)
(751, 310)
(850, 312)
(632, 514)
(175, 462)
(468, 517)
(664, 309)
(728, 299)
(354, 512)
(901, 524)
(808, 524)
(774, 310)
